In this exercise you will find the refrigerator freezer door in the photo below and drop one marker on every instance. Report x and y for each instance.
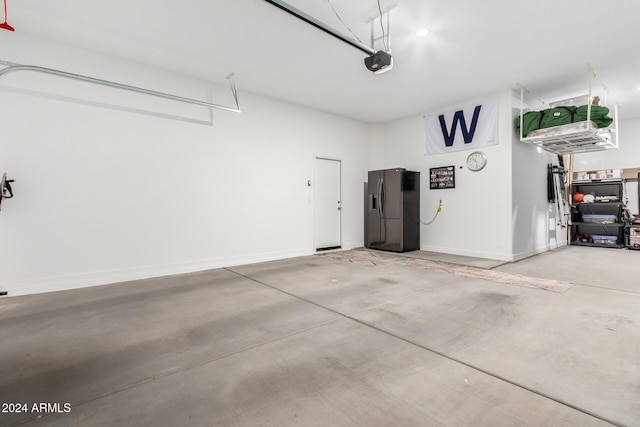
(374, 225)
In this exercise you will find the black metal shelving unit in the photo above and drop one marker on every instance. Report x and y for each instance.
(607, 202)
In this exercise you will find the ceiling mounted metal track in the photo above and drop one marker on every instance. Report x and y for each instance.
(320, 25)
(12, 67)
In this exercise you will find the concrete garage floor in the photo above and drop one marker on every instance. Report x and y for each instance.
(344, 339)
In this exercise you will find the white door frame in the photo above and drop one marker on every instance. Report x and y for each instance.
(315, 208)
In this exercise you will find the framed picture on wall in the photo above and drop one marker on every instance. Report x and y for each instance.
(442, 177)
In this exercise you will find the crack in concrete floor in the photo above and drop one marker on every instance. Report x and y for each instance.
(374, 259)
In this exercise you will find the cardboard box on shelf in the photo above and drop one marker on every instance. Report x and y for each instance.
(631, 173)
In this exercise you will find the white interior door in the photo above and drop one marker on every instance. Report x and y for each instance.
(327, 204)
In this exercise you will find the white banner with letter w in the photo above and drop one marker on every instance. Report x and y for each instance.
(470, 127)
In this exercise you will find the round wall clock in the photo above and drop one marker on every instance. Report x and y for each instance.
(476, 161)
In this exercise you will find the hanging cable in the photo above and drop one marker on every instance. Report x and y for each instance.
(434, 216)
(340, 19)
(384, 39)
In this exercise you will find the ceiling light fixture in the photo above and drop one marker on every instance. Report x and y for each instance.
(421, 33)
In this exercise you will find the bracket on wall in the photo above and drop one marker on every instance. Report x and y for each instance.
(5, 188)
(5, 25)
(12, 67)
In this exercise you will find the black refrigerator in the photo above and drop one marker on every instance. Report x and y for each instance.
(392, 214)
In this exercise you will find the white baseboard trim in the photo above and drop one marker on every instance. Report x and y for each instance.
(97, 278)
(490, 255)
(475, 254)
(353, 245)
(526, 254)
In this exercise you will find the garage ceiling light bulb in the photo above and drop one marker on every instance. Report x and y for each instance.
(421, 33)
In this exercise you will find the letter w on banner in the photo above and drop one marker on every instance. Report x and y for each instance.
(471, 127)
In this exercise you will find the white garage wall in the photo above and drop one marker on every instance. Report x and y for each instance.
(627, 156)
(535, 221)
(103, 195)
(500, 212)
(476, 215)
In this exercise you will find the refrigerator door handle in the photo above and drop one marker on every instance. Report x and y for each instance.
(378, 196)
(381, 203)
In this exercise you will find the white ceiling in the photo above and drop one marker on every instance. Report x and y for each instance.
(476, 48)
